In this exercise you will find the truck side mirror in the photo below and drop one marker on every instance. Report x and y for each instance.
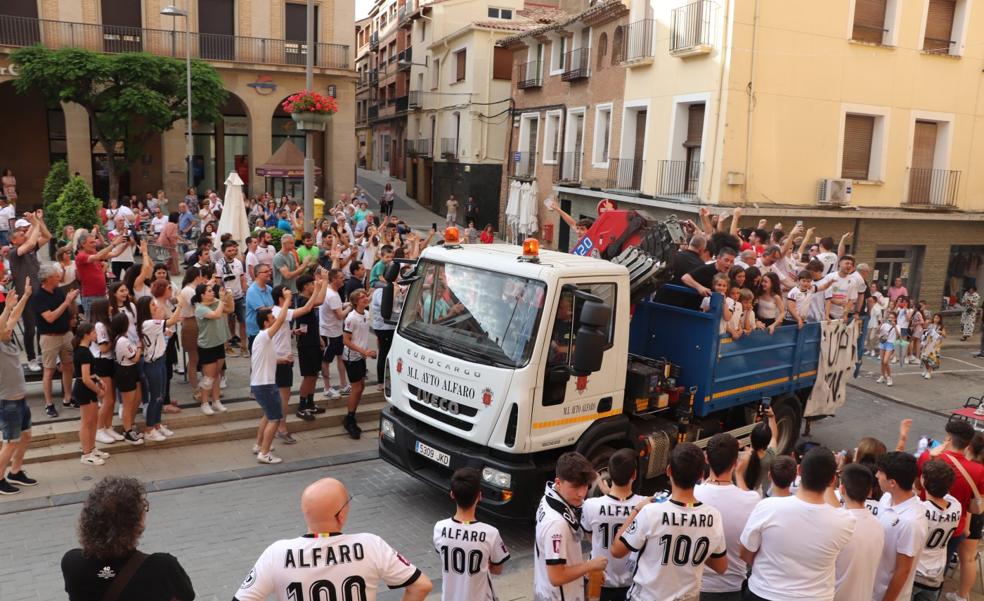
(592, 338)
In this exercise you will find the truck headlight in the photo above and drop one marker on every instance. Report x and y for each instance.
(386, 429)
(496, 478)
(387, 384)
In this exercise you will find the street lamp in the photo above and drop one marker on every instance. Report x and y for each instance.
(174, 11)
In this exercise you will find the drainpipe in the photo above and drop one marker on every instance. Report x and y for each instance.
(751, 107)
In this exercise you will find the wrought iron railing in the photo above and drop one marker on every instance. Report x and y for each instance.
(416, 99)
(420, 147)
(524, 164)
(625, 174)
(569, 170)
(401, 103)
(374, 40)
(530, 75)
(933, 188)
(576, 64)
(405, 58)
(638, 40)
(373, 111)
(449, 148)
(691, 26)
(678, 178)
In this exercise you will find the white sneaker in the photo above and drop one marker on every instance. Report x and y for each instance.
(100, 454)
(256, 449)
(268, 458)
(222, 382)
(92, 459)
(33, 366)
(880, 380)
(332, 394)
(927, 375)
(207, 409)
(116, 435)
(346, 390)
(894, 361)
(104, 437)
(166, 431)
(888, 382)
(155, 436)
(218, 406)
(954, 597)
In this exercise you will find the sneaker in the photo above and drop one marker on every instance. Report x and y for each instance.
(218, 406)
(223, 383)
(133, 437)
(207, 409)
(880, 380)
(6, 488)
(70, 403)
(305, 414)
(51, 412)
(332, 394)
(104, 437)
(256, 448)
(894, 361)
(21, 479)
(346, 390)
(166, 431)
(954, 597)
(155, 436)
(268, 458)
(116, 435)
(179, 370)
(100, 454)
(927, 375)
(318, 410)
(286, 437)
(352, 427)
(91, 459)
(33, 366)
(888, 382)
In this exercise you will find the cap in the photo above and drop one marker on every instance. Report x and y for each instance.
(21, 223)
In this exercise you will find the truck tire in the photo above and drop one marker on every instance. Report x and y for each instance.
(788, 419)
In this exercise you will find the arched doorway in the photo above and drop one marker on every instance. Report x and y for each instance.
(282, 129)
(33, 141)
(222, 147)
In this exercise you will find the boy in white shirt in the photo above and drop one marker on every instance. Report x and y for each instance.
(799, 308)
(263, 378)
(943, 515)
(782, 474)
(356, 340)
(857, 562)
(720, 284)
(903, 518)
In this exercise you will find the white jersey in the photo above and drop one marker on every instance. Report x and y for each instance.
(905, 528)
(601, 517)
(466, 550)
(339, 566)
(942, 526)
(857, 562)
(735, 506)
(558, 542)
(356, 324)
(674, 540)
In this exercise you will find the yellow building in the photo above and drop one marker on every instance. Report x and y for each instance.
(259, 50)
(855, 116)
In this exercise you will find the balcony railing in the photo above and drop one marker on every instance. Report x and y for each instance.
(569, 170)
(404, 60)
(625, 174)
(576, 64)
(416, 99)
(420, 147)
(692, 28)
(638, 41)
(22, 31)
(530, 75)
(449, 148)
(525, 166)
(374, 40)
(678, 178)
(373, 111)
(401, 104)
(933, 188)
(403, 15)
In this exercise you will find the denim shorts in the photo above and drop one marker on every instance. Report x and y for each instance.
(239, 308)
(268, 396)
(15, 417)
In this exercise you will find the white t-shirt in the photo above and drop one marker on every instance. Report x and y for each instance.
(466, 550)
(330, 326)
(843, 288)
(902, 318)
(858, 560)
(251, 261)
(157, 224)
(126, 351)
(263, 360)
(802, 300)
(829, 260)
(127, 255)
(601, 517)
(156, 343)
(889, 331)
(224, 268)
(674, 541)
(6, 215)
(942, 525)
(735, 506)
(356, 324)
(797, 544)
(905, 527)
(558, 542)
(102, 337)
(187, 293)
(339, 566)
(265, 255)
(281, 340)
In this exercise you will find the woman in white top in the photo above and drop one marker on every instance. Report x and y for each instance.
(102, 352)
(137, 277)
(66, 266)
(189, 326)
(155, 330)
(769, 306)
(903, 317)
(888, 333)
(127, 357)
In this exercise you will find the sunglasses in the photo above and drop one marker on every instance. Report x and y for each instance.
(342, 508)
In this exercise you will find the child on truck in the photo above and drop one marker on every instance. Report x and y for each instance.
(720, 284)
(799, 306)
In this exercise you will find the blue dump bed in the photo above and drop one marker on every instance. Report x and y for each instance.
(725, 372)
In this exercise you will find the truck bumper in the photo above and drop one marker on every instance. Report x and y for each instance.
(527, 477)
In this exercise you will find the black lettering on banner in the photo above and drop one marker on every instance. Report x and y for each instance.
(353, 589)
(683, 549)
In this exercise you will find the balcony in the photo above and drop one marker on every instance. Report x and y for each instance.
(374, 77)
(638, 43)
(21, 31)
(373, 111)
(692, 28)
(576, 64)
(530, 75)
(401, 104)
(403, 15)
(569, 170)
(524, 165)
(374, 40)
(405, 58)
(420, 147)
(625, 175)
(679, 179)
(449, 148)
(932, 189)
(416, 99)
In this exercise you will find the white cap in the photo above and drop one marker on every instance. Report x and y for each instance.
(21, 223)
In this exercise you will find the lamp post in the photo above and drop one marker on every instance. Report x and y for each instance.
(309, 135)
(174, 11)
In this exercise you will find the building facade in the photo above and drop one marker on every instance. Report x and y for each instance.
(365, 90)
(259, 49)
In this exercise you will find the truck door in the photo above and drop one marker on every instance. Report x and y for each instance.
(569, 404)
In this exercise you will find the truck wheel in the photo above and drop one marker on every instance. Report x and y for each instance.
(598, 457)
(788, 420)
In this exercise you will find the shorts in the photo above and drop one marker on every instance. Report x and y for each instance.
(611, 593)
(886, 346)
(906, 332)
(285, 375)
(104, 368)
(733, 596)
(82, 394)
(54, 346)
(355, 370)
(333, 348)
(268, 396)
(239, 309)
(976, 526)
(127, 377)
(15, 418)
(207, 356)
(310, 361)
(922, 593)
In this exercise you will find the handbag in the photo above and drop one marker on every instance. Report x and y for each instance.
(126, 574)
(976, 505)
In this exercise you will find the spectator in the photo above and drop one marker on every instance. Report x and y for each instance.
(124, 259)
(213, 304)
(971, 303)
(903, 518)
(798, 307)
(233, 277)
(452, 215)
(769, 306)
(186, 218)
(701, 279)
(764, 448)
(942, 514)
(285, 265)
(888, 334)
(127, 358)
(8, 215)
(154, 327)
(90, 269)
(488, 235)
(746, 258)
(772, 541)
(285, 354)
(896, 290)
(858, 560)
(86, 390)
(827, 256)
(54, 311)
(356, 341)
(331, 317)
(559, 567)
(15, 414)
(189, 326)
(842, 293)
(258, 296)
(309, 341)
(933, 341)
(782, 474)
(471, 209)
(104, 366)
(263, 377)
(29, 235)
(355, 281)
(108, 564)
(379, 269)
(735, 506)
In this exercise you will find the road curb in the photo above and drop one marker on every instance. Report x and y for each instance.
(897, 400)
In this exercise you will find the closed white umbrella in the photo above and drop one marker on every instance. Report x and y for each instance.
(512, 210)
(234, 220)
(524, 210)
(532, 211)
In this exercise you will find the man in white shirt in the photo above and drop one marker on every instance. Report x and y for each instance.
(263, 378)
(284, 376)
(792, 543)
(858, 560)
(842, 294)
(230, 270)
(332, 318)
(903, 518)
(746, 258)
(772, 261)
(735, 506)
(326, 563)
(158, 222)
(674, 537)
(265, 252)
(827, 256)
(125, 212)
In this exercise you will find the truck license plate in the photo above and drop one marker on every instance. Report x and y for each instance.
(433, 454)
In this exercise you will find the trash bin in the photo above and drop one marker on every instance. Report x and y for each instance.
(319, 208)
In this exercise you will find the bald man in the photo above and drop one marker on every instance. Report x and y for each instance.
(326, 564)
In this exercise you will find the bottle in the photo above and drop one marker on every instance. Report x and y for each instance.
(923, 445)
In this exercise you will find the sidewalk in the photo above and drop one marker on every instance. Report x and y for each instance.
(405, 208)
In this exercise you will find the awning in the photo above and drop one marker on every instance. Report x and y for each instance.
(288, 161)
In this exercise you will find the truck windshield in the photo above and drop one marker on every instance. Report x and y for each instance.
(473, 314)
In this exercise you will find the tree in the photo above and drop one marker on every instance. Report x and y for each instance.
(77, 206)
(54, 183)
(129, 97)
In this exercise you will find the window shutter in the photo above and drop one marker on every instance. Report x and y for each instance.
(460, 65)
(939, 26)
(859, 131)
(695, 125)
(924, 145)
(501, 63)
(869, 21)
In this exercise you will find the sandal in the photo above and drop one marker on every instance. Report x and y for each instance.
(171, 408)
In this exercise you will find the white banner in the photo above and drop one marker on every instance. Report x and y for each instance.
(838, 354)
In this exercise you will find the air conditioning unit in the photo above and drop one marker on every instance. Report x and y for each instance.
(834, 192)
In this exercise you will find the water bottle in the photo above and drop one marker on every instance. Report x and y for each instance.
(923, 445)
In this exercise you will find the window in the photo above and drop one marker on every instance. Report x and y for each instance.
(940, 17)
(382, 20)
(618, 41)
(602, 49)
(869, 21)
(459, 65)
(859, 132)
(436, 74)
(551, 138)
(501, 63)
(558, 48)
(602, 134)
(500, 13)
(423, 29)
(529, 126)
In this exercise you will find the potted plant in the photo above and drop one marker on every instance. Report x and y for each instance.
(310, 110)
